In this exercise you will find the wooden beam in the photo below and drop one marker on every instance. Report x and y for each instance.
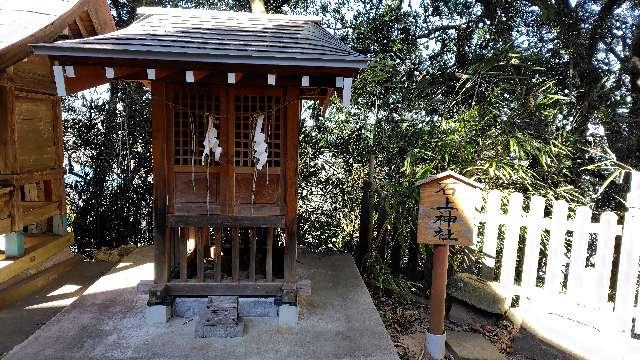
(175, 220)
(159, 156)
(224, 288)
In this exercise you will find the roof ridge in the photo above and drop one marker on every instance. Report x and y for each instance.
(144, 11)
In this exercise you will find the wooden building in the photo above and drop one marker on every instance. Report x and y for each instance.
(32, 196)
(221, 226)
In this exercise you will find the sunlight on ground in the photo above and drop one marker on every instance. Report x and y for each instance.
(125, 278)
(65, 289)
(123, 264)
(53, 304)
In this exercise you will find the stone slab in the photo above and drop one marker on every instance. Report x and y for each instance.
(257, 307)
(466, 314)
(107, 322)
(225, 330)
(188, 307)
(471, 346)
(477, 292)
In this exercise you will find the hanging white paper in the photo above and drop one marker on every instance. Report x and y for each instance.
(259, 144)
(211, 142)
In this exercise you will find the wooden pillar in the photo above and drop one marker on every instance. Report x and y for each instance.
(439, 288)
(182, 250)
(291, 185)
(158, 142)
(218, 253)
(252, 255)
(269, 262)
(8, 135)
(202, 240)
(235, 254)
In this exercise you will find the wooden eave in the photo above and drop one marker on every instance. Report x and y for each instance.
(90, 72)
(85, 18)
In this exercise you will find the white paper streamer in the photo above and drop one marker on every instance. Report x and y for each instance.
(211, 142)
(259, 144)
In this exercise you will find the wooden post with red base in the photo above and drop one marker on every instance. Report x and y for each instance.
(436, 336)
(445, 217)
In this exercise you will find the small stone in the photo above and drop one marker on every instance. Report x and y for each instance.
(477, 292)
(471, 346)
(466, 314)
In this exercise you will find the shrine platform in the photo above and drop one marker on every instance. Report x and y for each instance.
(338, 321)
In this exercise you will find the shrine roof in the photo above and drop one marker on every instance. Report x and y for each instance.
(23, 22)
(216, 37)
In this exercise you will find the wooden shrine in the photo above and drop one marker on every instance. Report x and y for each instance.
(32, 196)
(223, 224)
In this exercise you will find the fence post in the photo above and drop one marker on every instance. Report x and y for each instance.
(532, 246)
(556, 258)
(510, 248)
(492, 223)
(577, 261)
(628, 270)
(604, 257)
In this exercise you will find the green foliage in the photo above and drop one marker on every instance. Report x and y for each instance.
(521, 95)
(108, 160)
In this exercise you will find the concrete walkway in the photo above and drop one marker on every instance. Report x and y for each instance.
(22, 318)
(338, 321)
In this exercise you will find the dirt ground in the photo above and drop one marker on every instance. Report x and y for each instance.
(407, 321)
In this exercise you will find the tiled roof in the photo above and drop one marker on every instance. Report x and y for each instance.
(217, 37)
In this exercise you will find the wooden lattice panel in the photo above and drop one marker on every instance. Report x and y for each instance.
(191, 117)
(246, 109)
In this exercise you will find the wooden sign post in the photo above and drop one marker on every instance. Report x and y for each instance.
(446, 217)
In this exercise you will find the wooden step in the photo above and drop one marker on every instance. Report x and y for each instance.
(38, 249)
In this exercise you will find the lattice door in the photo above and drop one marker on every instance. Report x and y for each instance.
(246, 109)
(191, 119)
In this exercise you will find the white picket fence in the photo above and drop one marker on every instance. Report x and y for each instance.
(581, 275)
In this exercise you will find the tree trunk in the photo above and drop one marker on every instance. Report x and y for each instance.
(396, 250)
(365, 232)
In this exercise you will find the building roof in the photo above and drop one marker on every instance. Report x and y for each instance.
(216, 37)
(23, 22)
(450, 174)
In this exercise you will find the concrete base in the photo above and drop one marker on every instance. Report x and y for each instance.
(13, 244)
(157, 315)
(189, 307)
(107, 322)
(257, 307)
(288, 315)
